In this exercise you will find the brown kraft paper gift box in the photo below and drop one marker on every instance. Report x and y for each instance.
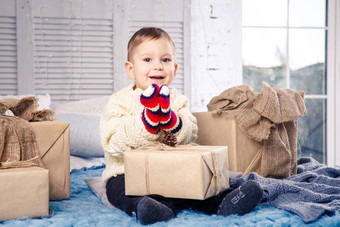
(189, 172)
(23, 193)
(244, 154)
(53, 140)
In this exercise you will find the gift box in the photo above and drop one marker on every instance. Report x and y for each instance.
(185, 171)
(24, 193)
(244, 154)
(53, 140)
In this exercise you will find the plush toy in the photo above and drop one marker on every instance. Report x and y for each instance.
(25, 108)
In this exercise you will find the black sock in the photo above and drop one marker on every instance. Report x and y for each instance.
(151, 211)
(241, 200)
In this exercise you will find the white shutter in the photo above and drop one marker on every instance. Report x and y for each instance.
(172, 16)
(8, 49)
(73, 49)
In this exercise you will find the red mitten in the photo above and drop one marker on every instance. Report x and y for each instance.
(151, 112)
(168, 119)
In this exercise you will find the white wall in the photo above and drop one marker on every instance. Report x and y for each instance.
(216, 61)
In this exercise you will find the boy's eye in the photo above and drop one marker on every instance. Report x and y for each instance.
(166, 59)
(147, 59)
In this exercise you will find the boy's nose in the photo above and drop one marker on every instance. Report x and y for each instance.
(158, 65)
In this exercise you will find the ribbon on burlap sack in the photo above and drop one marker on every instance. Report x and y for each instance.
(269, 118)
(215, 168)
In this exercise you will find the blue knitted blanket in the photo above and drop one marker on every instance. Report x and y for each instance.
(315, 190)
(85, 209)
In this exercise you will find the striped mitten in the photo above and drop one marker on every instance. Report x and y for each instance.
(151, 112)
(168, 120)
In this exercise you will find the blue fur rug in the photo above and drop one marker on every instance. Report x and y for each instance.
(85, 209)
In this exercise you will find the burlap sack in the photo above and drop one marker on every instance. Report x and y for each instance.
(18, 147)
(269, 118)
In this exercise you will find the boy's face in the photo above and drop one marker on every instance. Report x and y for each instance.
(153, 61)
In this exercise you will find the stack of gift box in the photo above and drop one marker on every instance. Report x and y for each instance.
(195, 171)
(26, 192)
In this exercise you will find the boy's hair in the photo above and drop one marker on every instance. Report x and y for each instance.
(144, 34)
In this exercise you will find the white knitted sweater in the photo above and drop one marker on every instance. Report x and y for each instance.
(121, 127)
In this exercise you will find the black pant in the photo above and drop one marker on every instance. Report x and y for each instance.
(115, 191)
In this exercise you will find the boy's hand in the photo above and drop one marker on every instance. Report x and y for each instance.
(168, 119)
(151, 112)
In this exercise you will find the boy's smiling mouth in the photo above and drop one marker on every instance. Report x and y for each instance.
(156, 77)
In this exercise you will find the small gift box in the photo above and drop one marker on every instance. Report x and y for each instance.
(24, 193)
(185, 171)
(53, 140)
(244, 153)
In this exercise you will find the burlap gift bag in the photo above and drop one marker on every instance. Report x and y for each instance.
(269, 118)
(18, 147)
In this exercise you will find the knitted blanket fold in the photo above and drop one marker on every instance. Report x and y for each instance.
(314, 191)
(18, 147)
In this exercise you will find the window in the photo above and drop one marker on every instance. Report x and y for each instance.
(284, 43)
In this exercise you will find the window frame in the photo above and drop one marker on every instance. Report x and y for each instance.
(333, 80)
(333, 83)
